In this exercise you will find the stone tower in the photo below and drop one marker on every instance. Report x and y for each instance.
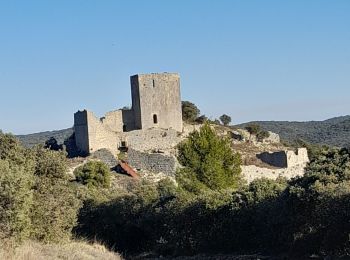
(156, 101)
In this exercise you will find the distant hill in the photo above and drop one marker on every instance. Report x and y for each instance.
(334, 131)
(40, 138)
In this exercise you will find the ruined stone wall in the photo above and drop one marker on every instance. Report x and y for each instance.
(153, 162)
(129, 119)
(157, 95)
(300, 157)
(113, 121)
(152, 139)
(81, 131)
(285, 159)
(101, 137)
(119, 120)
(91, 135)
(252, 172)
(277, 159)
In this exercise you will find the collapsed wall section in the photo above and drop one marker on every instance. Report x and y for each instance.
(91, 134)
(285, 159)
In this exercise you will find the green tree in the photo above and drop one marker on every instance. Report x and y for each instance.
(93, 174)
(208, 161)
(253, 129)
(16, 200)
(52, 144)
(55, 208)
(201, 119)
(225, 119)
(190, 111)
(16, 195)
(261, 135)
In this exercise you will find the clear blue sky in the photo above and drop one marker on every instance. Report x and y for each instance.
(254, 60)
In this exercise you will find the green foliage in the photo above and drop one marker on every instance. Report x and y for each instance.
(190, 111)
(55, 208)
(305, 216)
(93, 174)
(225, 119)
(16, 199)
(253, 129)
(50, 163)
(208, 161)
(32, 140)
(201, 119)
(52, 144)
(36, 199)
(332, 132)
(261, 135)
(16, 195)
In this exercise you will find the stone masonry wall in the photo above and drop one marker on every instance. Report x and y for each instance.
(157, 95)
(152, 139)
(285, 159)
(100, 136)
(153, 162)
(81, 131)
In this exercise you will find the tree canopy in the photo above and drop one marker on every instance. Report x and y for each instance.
(190, 111)
(208, 161)
(225, 119)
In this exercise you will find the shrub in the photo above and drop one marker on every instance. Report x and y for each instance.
(16, 199)
(261, 135)
(36, 199)
(208, 161)
(201, 119)
(55, 208)
(16, 195)
(190, 111)
(225, 119)
(93, 174)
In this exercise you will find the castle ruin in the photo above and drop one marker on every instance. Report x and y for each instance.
(156, 104)
(152, 128)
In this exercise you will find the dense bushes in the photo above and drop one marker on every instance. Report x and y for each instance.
(37, 200)
(305, 216)
(93, 174)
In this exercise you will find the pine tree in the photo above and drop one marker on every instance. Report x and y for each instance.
(208, 161)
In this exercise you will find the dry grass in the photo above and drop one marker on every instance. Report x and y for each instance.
(73, 250)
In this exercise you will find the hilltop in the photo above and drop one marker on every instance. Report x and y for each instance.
(333, 132)
(40, 138)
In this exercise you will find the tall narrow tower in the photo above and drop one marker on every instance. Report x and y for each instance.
(156, 101)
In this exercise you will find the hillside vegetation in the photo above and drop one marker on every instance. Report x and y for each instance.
(40, 138)
(208, 211)
(333, 132)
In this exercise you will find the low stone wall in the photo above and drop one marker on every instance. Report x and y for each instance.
(153, 162)
(253, 172)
